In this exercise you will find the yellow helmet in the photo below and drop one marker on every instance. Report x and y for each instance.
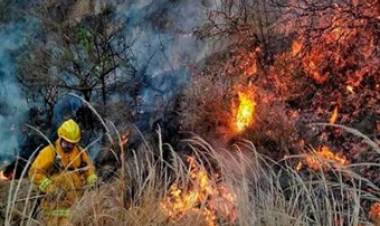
(70, 131)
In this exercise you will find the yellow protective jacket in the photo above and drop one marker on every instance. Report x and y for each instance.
(68, 171)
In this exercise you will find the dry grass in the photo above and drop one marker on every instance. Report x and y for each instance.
(264, 196)
(267, 192)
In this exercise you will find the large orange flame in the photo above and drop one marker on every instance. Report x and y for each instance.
(202, 196)
(245, 112)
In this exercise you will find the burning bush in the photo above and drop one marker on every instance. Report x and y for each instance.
(233, 110)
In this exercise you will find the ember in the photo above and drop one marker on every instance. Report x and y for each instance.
(202, 196)
(245, 112)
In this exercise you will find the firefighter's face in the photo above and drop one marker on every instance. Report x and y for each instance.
(67, 146)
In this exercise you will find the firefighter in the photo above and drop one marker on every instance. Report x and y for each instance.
(62, 170)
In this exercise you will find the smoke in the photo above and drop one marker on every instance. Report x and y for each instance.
(165, 52)
(161, 32)
(165, 48)
(13, 105)
(64, 109)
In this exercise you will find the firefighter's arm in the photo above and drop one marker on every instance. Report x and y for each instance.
(41, 165)
(91, 176)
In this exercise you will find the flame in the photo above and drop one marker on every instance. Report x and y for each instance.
(245, 112)
(203, 196)
(2, 176)
(296, 48)
(321, 158)
(374, 213)
(124, 139)
(334, 115)
(350, 89)
(327, 54)
(299, 166)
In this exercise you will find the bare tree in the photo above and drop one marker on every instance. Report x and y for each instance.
(82, 55)
(247, 23)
